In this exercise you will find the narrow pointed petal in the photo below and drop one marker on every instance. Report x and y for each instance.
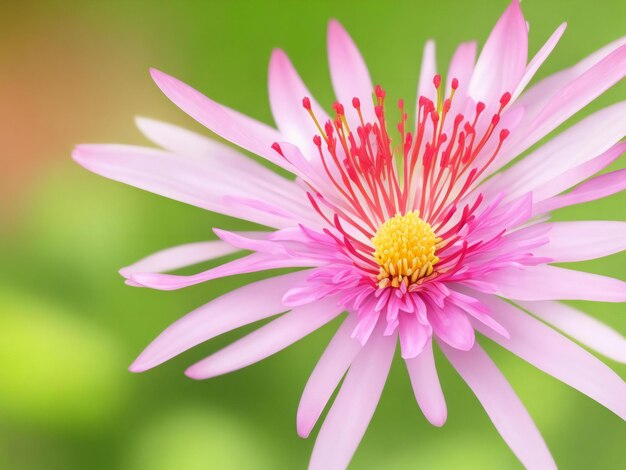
(233, 126)
(579, 173)
(221, 157)
(327, 374)
(462, 66)
(596, 188)
(576, 95)
(426, 386)
(575, 146)
(503, 406)
(502, 62)
(428, 70)
(579, 241)
(556, 355)
(583, 328)
(179, 256)
(348, 72)
(538, 60)
(267, 340)
(184, 179)
(354, 406)
(249, 264)
(547, 282)
(286, 90)
(237, 308)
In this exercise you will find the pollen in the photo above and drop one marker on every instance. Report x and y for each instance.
(404, 248)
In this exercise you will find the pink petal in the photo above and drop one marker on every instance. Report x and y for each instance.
(413, 335)
(579, 241)
(244, 131)
(547, 282)
(538, 60)
(237, 308)
(349, 73)
(577, 94)
(179, 256)
(534, 99)
(354, 406)
(286, 90)
(503, 406)
(502, 62)
(452, 326)
(462, 66)
(327, 374)
(576, 146)
(425, 86)
(575, 175)
(267, 340)
(183, 179)
(426, 386)
(556, 355)
(595, 188)
(580, 326)
(249, 264)
(190, 144)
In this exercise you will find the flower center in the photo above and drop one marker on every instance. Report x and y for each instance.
(405, 248)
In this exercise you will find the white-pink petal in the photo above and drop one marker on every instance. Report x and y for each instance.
(426, 386)
(286, 91)
(328, 372)
(502, 61)
(242, 130)
(583, 328)
(428, 70)
(237, 308)
(349, 73)
(575, 146)
(354, 406)
(596, 188)
(503, 406)
(267, 340)
(545, 282)
(584, 240)
(556, 355)
(180, 256)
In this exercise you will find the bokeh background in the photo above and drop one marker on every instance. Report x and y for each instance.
(74, 72)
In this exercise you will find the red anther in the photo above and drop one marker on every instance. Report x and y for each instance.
(317, 140)
(504, 133)
(480, 107)
(328, 127)
(446, 105)
(458, 119)
(356, 103)
(380, 93)
(455, 84)
(379, 111)
(277, 148)
(338, 107)
(401, 103)
(495, 119)
(306, 103)
(504, 100)
(437, 80)
(434, 116)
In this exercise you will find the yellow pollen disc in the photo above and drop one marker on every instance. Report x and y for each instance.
(405, 248)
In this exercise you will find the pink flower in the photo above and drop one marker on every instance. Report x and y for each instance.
(414, 231)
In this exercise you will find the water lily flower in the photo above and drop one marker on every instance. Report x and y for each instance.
(423, 233)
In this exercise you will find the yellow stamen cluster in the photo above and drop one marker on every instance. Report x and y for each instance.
(405, 248)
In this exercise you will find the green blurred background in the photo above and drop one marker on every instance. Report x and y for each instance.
(74, 72)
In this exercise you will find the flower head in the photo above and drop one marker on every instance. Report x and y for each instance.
(410, 228)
